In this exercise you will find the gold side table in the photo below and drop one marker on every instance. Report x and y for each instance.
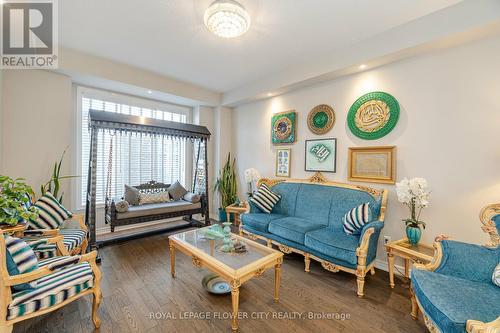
(420, 253)
(237, 210)
(16, 230)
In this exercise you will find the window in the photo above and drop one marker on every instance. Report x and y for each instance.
(136, 158)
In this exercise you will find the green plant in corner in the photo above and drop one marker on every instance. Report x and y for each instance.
(54, 184)
(14, 197)
(226, 185)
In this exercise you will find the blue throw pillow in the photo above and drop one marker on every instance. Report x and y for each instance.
(20, 259)
(355, 219)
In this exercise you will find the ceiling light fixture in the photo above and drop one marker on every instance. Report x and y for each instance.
(150, 92)
(227, 19)
(362, 66)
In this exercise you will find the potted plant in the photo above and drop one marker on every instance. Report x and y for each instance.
(226, 186)
(414, 193)
(14, 197)
(54, 184)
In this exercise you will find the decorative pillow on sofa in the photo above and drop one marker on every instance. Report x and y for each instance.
(356, 218)
(148, 198)
(20, 259)
(131, 195)
(496, 275)
(265, 199)
(177, 191)
(51, 213)
(122, 206)
(192, 197)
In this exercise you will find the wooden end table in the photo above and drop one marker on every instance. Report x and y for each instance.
(237, 210)
(16, 230)
(420, 253)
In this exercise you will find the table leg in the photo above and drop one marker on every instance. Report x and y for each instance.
(407, 267)
(235, 299)
(172, 259)
(277, 281)
(390, 261)
(228, 215)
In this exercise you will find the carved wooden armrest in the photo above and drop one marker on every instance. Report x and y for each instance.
(436, 260)
(47, 270)
(42, 232)
(362, 250)
(80, 218)
(476, 326)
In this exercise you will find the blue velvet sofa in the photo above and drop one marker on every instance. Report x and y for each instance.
(455, 292)
(308, 220)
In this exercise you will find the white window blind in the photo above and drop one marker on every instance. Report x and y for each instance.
(136, 158)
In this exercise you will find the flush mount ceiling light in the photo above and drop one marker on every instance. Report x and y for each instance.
(227, 19)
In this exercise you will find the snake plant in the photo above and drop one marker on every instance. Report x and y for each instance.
(225, 184)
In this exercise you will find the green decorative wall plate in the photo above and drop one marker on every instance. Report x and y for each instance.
(321, 119)
(283, 126)
(373, 115)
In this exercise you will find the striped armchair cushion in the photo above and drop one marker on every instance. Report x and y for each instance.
(52, 289)
(73, 238)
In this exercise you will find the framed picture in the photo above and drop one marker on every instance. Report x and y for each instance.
(283, 127)
(283, 156)
(321, 155)
(373, 164)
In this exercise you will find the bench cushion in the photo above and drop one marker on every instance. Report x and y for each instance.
(450, 301)
(158, 208)
(52, 289)
(259, 221)
(333, 242)
(293, 228)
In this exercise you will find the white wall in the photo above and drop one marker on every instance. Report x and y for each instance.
(447, 133)
(37, 125)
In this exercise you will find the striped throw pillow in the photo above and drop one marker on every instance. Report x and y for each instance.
(265, 199)
(51, 214)
(496, 275)
(356, 218)
(20, 259)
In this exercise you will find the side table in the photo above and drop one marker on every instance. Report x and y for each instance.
(237, 210)
(420, 253)
(16, 230)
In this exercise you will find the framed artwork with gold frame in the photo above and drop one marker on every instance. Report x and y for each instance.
(373, 164)
(283, 159)
(283, 127)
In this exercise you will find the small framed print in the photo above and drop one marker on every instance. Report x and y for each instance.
(373, 164)
(283, 128)
(283, 156)
(321, 155)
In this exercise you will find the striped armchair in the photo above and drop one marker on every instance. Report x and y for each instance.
(59, 280)
(75, 239)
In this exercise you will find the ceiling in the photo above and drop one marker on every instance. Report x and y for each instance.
(168, 36)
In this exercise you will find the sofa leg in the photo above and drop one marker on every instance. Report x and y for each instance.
(372, 271)
(361, 286)
(269, 243)
(307, 262)
(414, 304)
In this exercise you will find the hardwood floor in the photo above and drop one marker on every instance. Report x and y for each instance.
(140, 296)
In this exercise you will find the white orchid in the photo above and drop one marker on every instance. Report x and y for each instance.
(414, 193)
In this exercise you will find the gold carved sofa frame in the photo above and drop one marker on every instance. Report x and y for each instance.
(361, 252)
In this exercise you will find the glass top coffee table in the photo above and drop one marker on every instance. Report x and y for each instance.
(235, 268)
